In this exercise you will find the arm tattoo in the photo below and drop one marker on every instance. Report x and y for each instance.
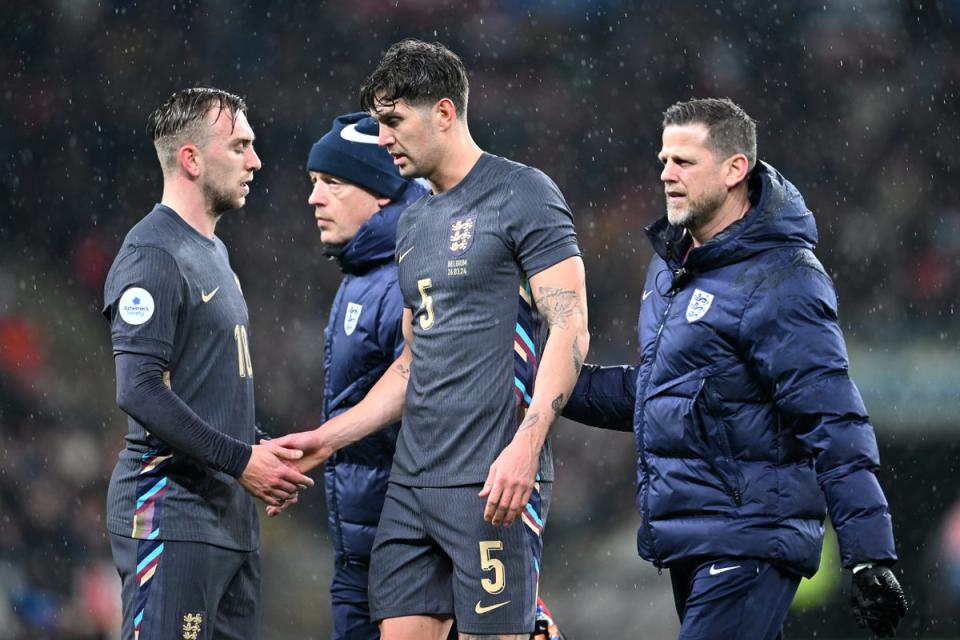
(557, 305)
(577, 356)
(530, 420)
(557, 405)
(403, 370)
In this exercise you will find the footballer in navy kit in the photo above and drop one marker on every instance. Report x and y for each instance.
(182, 522)
(495, 328)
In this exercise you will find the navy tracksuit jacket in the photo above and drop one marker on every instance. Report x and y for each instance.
(746, 422)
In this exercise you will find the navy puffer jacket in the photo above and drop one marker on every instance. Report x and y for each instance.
(363, 337)
(743, 412)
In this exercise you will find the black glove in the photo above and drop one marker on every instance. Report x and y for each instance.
(878, 600)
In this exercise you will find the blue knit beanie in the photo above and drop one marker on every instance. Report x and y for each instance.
(350, 151)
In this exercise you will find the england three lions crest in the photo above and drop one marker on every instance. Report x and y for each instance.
(700, 303)
(461, 234)
(351, 317)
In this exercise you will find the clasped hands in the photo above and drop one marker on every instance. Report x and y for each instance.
(275, 472)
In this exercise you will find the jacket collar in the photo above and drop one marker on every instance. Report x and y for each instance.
(375, 242)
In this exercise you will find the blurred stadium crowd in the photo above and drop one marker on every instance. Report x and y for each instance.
(857, 103)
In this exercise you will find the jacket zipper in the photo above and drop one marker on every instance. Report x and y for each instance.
(643, 423)
(331, 464)
(726, 467)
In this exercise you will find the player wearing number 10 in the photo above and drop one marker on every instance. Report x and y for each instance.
(183, 531)
(487, 263)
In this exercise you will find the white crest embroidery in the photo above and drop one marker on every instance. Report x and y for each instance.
(699, 305)
(351, 317)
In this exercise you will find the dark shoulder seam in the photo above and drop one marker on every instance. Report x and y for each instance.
(766, 276)
(157, 247)
(521, 168)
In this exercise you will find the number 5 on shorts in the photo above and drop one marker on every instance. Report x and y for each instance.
(491, 564)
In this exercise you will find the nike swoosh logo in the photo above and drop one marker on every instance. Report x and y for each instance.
(350, 133)
(480, 609)
(715, 572)
(404, 255)
(646, 294)
(207, 297)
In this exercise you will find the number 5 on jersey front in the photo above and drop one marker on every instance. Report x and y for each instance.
(426, 302)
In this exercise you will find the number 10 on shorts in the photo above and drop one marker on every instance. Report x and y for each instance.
(489, 563)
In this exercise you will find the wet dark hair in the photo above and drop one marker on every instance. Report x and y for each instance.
(182, 119)
(418, 72)
(731, 130)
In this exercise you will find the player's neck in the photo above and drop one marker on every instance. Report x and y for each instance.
(461, 155)
(190, 205)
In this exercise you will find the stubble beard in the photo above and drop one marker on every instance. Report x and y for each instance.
(219, 201)
(698, 212)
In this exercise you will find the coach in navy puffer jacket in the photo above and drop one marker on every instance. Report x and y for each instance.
(748, 416)
(747, 411)
(362, 339)
(746, 422)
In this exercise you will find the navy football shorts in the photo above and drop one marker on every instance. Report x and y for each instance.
(174, 589)
(435, 555)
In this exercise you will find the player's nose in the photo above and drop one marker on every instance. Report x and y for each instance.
(253, 160)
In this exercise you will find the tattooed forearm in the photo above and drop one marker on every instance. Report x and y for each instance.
(530, 420)
(577, 356)
(557, 305)
(403, 370)
(557, 404)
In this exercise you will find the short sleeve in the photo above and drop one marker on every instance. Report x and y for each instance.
(537, 222)
(142, 299)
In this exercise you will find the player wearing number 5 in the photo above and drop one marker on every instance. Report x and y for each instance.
(495, 328)
(183, 531)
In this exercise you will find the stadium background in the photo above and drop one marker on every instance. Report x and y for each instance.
(857, 102)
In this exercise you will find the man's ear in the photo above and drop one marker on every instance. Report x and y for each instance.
(737, 167)
(382, 202)
(445, 113)
(188, 157)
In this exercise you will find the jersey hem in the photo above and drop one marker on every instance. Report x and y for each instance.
(431, 482)
(123, 529)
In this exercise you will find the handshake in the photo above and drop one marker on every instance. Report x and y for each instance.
(275, 471)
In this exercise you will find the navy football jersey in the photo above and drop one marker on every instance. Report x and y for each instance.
(464, 258)
(172, 294)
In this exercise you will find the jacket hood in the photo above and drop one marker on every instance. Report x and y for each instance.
(375, 241)
(777, 218)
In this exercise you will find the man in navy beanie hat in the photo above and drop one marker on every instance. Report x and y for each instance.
(358, 196)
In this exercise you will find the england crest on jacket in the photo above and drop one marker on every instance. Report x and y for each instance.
(699, 305)
(351, 317)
